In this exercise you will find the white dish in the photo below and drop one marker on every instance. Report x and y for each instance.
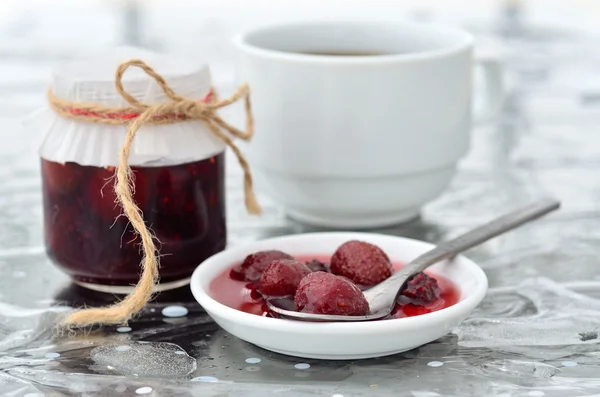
(340, 341)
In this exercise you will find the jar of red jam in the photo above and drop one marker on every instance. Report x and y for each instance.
(178, 176)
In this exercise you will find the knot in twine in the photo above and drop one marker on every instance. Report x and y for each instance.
(176, 110)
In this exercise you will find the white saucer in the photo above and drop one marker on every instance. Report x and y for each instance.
(340, 341)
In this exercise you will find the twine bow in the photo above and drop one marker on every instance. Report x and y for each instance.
(178, 109)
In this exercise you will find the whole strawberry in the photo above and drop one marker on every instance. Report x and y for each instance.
(255, 264)
(363, 263)
(325, 293)
(282, 277)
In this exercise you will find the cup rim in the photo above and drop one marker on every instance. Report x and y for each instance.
(241, 42)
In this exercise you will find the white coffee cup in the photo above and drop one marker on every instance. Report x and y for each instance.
(356, 141)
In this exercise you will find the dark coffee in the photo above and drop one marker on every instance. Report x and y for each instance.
(344, 53)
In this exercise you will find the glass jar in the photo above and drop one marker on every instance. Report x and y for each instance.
(179, 173)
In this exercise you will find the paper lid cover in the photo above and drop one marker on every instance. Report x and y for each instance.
(91, 79)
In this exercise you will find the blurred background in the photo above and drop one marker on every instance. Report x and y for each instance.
(36, 34)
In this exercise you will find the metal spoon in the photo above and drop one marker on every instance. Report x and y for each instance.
(382, 297)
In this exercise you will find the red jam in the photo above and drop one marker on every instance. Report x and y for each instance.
(183, 204)
(242, 295)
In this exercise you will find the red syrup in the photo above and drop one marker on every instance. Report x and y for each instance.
(243, 296)
(183, 204)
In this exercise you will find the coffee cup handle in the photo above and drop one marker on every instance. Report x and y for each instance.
(489, 99)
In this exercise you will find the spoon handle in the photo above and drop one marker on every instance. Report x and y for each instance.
(483, 233)
(381, 295)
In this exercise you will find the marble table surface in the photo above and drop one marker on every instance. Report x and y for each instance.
(535, 334)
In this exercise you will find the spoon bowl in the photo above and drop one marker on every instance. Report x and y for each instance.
(285, 308)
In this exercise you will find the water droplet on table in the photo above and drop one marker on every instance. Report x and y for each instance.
(124, 329)
(174, 311)
(144, 390)
(157, 359)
